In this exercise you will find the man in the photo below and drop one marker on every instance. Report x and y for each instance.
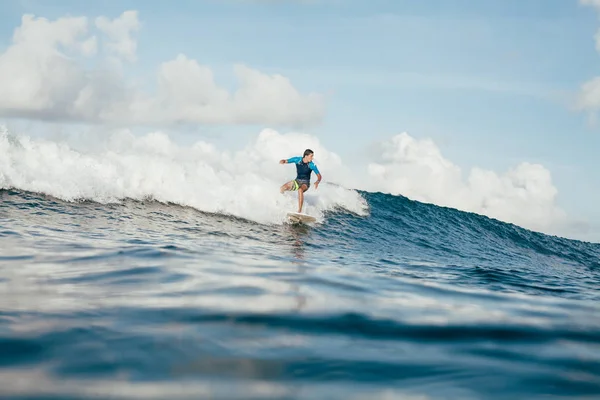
(304, 167)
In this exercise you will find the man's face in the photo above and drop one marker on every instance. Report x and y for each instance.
(309, 157)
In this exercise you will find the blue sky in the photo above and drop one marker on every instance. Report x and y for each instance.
(492, 82)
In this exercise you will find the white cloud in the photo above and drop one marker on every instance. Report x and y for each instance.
(119, 31)
(42, 76)
(524, 195)
(34, 76)
(274, 95)
(187, 92)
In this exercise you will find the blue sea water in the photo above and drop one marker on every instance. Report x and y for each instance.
(152, 300)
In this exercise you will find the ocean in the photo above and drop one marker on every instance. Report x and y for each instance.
(120, 285)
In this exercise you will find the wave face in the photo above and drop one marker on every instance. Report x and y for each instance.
(125, 278)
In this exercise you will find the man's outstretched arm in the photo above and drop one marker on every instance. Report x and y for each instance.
(290, 160)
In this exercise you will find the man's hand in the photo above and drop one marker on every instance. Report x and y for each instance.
(316, 185)
(282, 161)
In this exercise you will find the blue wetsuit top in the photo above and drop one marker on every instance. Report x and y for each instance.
(303, 169)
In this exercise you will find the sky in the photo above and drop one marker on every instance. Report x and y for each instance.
(481, 105)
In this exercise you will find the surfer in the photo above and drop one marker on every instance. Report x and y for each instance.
(304, 168)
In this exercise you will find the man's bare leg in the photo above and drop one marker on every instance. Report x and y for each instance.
(286, 186)
(301, 191)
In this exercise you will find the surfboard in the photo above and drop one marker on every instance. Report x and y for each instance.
(300, 217)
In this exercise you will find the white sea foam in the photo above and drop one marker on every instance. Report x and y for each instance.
(244, 184)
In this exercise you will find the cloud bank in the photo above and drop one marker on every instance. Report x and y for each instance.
(45, 74)
(524, 195)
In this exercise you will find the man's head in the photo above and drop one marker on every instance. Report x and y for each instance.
(308, 155)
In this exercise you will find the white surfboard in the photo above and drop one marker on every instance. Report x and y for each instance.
(300, 217)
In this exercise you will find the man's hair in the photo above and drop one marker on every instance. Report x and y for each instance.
(307, 152)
